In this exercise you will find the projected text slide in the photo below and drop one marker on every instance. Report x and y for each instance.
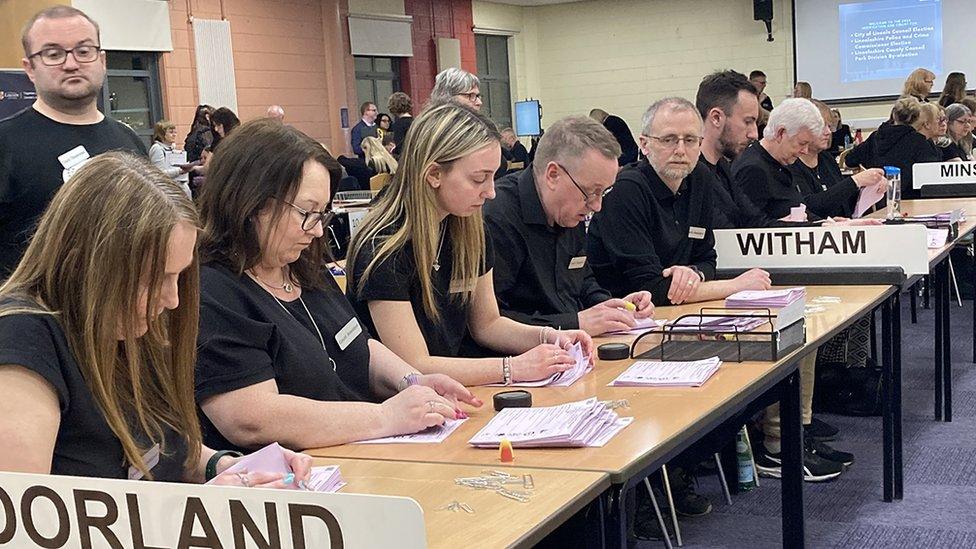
(889, 38)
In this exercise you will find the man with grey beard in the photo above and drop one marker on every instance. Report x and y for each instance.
(654, 232)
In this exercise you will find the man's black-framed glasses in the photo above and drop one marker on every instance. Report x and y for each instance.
(588, 198)
(55, 56)
(311, 217)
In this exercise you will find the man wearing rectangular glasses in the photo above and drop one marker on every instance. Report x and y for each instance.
(41, 146)
(536, 222)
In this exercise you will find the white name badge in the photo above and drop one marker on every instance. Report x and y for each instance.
(150, 458)
(463, 286)
(72, 161)
(348, 333)
(697, 233)
(577, 262)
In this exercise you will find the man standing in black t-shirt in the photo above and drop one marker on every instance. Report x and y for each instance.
(41, 146)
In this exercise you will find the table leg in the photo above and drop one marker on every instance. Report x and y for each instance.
(913, 299)
(936, 278)
(616, 517)
(925, 291)
(887, 396)
(946, 342)
(792, 450)
(898, 464)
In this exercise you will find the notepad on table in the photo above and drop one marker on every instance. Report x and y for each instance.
(646, 373)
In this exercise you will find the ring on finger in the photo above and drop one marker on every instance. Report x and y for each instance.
(691, 283)
(245, 481)
(430, 406)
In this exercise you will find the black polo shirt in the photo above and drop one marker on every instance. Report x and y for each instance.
(395, 279)
(766, 182)
(644, 228)
(543, 277)
(826, 191)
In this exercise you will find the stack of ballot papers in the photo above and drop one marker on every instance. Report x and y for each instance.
(643, 325)
(717, 324)
(430, 435)
(646, 373)
(751, 299)
(572, 425)
(560, 379)
(271, 459)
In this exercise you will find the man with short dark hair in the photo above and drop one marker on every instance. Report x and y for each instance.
(537, 218)
(758, 80)
(43, 145)
(366, 127)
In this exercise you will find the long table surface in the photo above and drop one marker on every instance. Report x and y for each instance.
(927, 206)
(662, 415)
(496, 521)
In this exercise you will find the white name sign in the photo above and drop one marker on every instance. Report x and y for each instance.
(942, 173)
(902, 246)
(48, 511)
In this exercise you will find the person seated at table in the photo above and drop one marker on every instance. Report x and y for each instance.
(378, 159)
(419, 270)
(654, 231)
(282, 356)
(840, 133)
(823, 189)
(950, 151)
(901, 143)
(98, 328)
(960, 129)
(537, 217)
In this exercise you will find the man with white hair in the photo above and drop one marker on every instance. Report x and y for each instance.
(654, 232)
(276, 113)
(762, 170)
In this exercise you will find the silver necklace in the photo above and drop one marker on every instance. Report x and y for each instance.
(440, 246)
(304, 306)
(287, 286)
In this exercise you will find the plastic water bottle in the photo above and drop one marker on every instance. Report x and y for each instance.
(847, 142)
(743, 458)
(893, 175)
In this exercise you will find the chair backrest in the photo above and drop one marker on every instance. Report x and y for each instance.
(379, 181)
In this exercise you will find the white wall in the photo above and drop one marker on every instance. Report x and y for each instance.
(622, 55)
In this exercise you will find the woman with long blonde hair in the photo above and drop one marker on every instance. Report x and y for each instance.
(919, 84)
(420, 265)
(378, 157)
(98, 328)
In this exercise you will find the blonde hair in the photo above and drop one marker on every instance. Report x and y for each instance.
(102, 240)
(159, 131)
(803, 89)
(928, 113)
(407, 210)
(915, 85)
(906, 111)
(377, 157)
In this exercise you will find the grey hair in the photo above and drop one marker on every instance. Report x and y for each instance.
(956, 111)
(450, 82)
(793, 115)
(568, 139)
(672, 104)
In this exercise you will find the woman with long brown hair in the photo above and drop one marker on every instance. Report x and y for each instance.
(98, 328)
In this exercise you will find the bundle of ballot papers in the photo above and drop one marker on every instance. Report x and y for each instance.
(750, 299)
(581, 366)
(646, 373)
(717, 324)
(271, 459)
(575, 424)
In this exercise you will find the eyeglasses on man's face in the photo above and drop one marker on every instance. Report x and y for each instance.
(55, 56)
(311, 217)
(671, 141)
(588, 198)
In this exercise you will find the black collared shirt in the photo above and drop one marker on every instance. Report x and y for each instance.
(766, 182)
(644, 228)
(826, 191)
(542, 276)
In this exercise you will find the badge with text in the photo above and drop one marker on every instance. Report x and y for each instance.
(696, 233)
(72, 161)
(348, 333)
(463, 286)
(577, 262)
(150, 458)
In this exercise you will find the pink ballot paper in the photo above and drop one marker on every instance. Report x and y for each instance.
(430, 435)
(646, 373)
(643, 325)
(868, 196)
(271, 459)
(575, 424)
(560, 379)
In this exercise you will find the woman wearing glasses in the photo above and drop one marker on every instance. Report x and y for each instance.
(282, 356)
(420, 267)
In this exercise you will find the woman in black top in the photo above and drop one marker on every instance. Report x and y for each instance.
(958, 132)
(420, 266)
(401, 107)
(200, 135)
(96, 355)
(282, 355)
(826, 192)
(840, 136)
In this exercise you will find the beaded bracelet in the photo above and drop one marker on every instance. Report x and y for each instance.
(507, 370)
